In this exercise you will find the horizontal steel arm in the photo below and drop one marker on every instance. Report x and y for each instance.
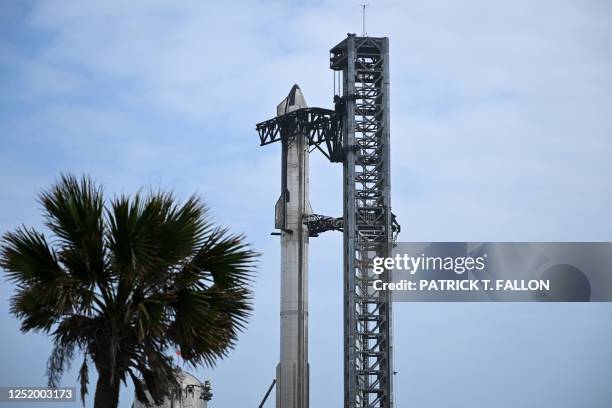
(321, 126)
(318, 224)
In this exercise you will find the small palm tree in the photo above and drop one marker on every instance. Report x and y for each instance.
(126, 282)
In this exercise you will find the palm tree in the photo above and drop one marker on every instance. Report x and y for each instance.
(126, 282)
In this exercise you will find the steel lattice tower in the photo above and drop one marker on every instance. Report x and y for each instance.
(368, 222)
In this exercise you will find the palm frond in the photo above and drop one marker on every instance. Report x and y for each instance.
(59, 361)
(181, 227)
(74, 213)
(27, 257)
(84, 379)
(206, 323)
(223, 259)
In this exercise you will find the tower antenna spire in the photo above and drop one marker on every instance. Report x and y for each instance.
(363, 18)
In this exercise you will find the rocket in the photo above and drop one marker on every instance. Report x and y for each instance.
(292, 372)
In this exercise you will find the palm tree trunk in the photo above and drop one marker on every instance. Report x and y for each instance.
(107, 393)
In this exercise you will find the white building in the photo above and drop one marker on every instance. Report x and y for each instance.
(193, 394)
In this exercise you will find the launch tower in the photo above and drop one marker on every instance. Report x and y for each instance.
(356, 134)
(368, 222)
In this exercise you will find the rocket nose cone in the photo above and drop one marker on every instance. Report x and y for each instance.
(295, 100)
(296, 97)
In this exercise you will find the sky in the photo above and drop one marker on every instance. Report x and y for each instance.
(501, 131)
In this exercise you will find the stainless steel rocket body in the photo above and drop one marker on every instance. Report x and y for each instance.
(292, 372)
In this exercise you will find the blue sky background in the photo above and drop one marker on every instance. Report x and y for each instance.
(501, 124)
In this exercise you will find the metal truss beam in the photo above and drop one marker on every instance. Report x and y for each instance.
(318, 224)
(319, 125)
